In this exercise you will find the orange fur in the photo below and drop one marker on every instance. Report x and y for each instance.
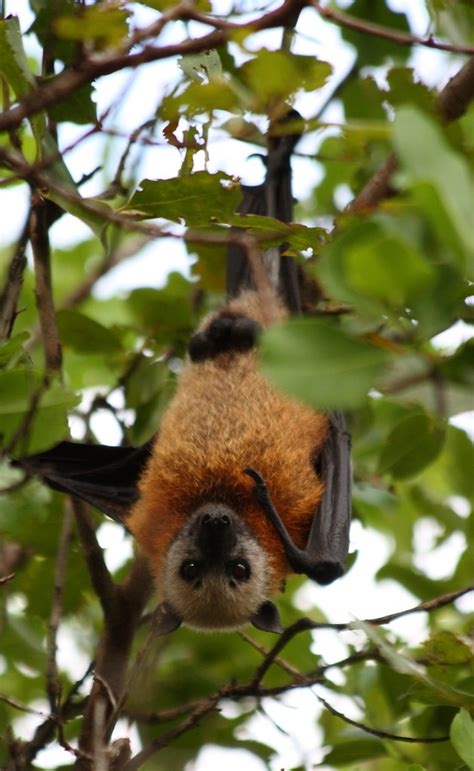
(224, 418)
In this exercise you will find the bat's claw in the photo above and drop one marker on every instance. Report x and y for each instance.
(255, 476)
(260, 489)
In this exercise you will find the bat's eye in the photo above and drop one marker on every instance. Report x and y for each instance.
(189, 570)
(239, 570)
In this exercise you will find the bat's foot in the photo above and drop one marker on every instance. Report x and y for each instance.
(227, 333)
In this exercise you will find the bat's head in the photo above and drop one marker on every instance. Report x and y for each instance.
(216, 576)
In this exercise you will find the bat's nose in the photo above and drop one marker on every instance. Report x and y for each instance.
(215, 519)
(216, 532)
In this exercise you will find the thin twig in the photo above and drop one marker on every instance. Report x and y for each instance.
(306, 625)
(377, 732)
(13, 284)
(22, 707)
(102, 582)
(402, 38)
(44, 291)
(203, 709)
(285, 665)
(45, 732)
(52, 684)
(164, 716)
(117, 183)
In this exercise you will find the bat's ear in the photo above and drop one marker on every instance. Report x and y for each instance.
(165, 620)
(267, 618)
(106, 477)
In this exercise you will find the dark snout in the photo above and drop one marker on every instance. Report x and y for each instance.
(216, 531)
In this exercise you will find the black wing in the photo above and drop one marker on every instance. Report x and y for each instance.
(325, 554)
(324, 557)
(106, 477)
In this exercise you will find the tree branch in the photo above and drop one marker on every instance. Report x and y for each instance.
(88, 70)
(402, 38)
(104, 587)
(6, 579)
(120, 623)
(52, 684)
(458, 92)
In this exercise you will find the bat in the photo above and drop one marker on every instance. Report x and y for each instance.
(241, 485)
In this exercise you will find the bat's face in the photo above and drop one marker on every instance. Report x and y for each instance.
(216, 574)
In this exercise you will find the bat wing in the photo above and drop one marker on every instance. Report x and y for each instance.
(105, 477)
(323, 559)
(328, 541)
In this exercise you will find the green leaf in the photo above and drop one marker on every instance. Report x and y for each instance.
(13, 62)
(48, 423)
(440, 177)
(297, 236)
(411, 445)
(66, 194)
(444, 647)
(460, 366)
(462, 737)
(15, 69)
(375, 267)
(77, 107)
(10, 348)
(104, 24)
(206, 64)
(350, 752)
(451, 474)
(274, 75)
(404, 89)
(145, 382)
(439, 692)
(372, 49)
(85, 335)
(320, 364)
(167, 312)
(200, 97)
(363, 100)
(44, 27)
(198, 199)
(386, 268)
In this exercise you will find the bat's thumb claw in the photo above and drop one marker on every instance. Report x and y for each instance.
(254, 475)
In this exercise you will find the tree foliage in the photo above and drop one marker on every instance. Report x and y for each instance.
(385, 232)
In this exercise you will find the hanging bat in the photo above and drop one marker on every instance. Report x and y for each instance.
(242, 485)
